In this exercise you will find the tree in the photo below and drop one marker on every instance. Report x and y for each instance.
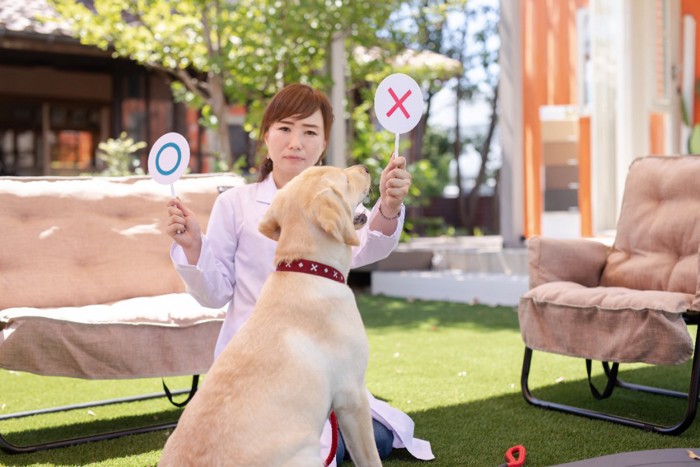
(371, 145)
(466, 31)
(120, 156)
(220, 52)
(419, 28)
(408, 46)
(476, 47)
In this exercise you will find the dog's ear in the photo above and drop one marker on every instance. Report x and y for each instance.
(334, 216)
(269, 226)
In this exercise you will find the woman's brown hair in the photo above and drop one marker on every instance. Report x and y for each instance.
(298, 101)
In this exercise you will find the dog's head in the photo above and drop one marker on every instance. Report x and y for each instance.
(325, 197)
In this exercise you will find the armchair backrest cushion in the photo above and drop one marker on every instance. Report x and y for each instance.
(658, 231)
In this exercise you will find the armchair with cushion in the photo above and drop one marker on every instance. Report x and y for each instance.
(631, 302)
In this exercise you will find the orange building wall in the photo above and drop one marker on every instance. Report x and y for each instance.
(549, 78)
(584, 176)
(657, 133)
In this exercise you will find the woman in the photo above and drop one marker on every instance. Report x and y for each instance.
(231, 262)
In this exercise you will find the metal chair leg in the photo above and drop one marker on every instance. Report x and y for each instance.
(10, 448)
(680, 427)
(642, 388)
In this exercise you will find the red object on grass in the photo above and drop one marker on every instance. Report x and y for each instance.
(515, 456)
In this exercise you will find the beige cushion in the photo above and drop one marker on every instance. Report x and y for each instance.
(94, 240)
(575, 260)
(606, 323)
(87, 287)
(142, 337)
(658, 232)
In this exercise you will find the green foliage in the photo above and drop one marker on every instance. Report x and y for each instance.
(467, 32)
(120, 156)
(221, 53)
(253, 46)
(372, 146)
(694, 138)
(424, 26)
(428, 227)
(437, 154)
(685, 118)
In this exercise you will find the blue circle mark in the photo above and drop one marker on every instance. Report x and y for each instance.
(177, 164)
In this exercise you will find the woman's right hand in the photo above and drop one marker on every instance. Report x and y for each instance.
(184, 229)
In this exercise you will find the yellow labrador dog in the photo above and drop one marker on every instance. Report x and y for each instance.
(302, 353)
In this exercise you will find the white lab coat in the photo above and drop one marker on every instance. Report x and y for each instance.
(235, 262)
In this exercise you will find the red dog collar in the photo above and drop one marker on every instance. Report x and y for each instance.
(312, 267)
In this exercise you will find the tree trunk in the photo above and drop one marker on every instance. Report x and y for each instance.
(457, 151)
(418, 134)
(217, 97)
(220, 108)
(473, 197)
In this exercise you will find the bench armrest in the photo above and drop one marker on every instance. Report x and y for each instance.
(572, 260)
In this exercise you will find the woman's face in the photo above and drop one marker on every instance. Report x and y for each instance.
(294, 144)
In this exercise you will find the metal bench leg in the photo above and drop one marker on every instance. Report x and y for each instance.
(10, 448)
(692, 396)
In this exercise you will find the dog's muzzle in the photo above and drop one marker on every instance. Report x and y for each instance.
(360, 220)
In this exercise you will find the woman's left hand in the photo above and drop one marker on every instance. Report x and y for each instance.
(393, 186)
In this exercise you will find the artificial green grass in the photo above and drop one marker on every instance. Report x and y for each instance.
(454, 368)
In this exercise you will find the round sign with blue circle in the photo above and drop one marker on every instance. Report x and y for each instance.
(169, 158)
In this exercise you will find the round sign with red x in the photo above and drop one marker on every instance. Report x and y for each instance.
(398, 103)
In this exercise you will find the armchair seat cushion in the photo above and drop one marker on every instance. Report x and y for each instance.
(143, 337)
(614, 324)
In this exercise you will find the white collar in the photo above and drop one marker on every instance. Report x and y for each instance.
(266, 190)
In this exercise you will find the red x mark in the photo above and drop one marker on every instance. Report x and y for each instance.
(399, 103)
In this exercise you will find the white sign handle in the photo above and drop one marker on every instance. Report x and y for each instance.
(168, 160)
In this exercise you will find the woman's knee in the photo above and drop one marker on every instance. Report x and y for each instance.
(384, 438)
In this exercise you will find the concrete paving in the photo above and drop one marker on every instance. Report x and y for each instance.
(452, 286)
(458, 269)
(463, 269)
